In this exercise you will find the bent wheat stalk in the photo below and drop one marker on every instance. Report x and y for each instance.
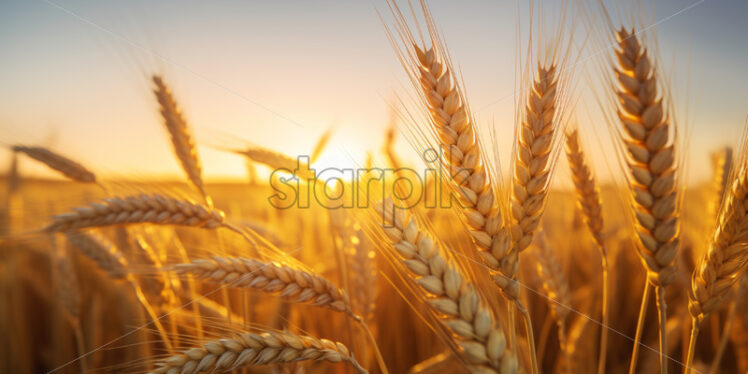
(590, 204)
(248, 349)
(725, 261)
(651, 160)
(451, 296)
(181, 137)
(64, 165)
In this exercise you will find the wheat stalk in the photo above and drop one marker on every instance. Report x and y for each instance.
(181, 136)
(64, 165)
(451, 296)
(248, 349)
(725, 261)
(294, 284)
(556, 287)
(155, 209)
(590, 204)
(651, 160)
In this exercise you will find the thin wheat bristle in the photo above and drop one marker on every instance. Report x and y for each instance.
(64, 165)
(651, 157)
(248, 349)
(725, 261)
(588, 195)
(452, 296)
(179, 132)
(294, 284)
(156, 209)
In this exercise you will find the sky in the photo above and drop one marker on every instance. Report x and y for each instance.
(75, 77)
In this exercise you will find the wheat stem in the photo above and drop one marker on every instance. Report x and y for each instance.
(605, 314)
(695, 322)
(640, 327)
(662, 309)
(530, 336)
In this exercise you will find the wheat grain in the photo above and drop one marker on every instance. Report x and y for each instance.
(294, 284)
(64, 165)
(181, 137)
(248, 349)
(450, 295)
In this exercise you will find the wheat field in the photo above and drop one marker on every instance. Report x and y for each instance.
(456, 268)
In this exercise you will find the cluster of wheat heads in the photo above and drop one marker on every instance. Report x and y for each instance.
(170, 285)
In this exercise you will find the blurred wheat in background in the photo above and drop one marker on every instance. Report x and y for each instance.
(451, 269)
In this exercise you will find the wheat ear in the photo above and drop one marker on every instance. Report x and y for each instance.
(725, 261)
(556, 287)
(155, 209)
(453, 123)
(651, 160)
(64, 165)
(450, 295)
(590, 204)
(321, 145)
(250, 349)
(294, 284)
(276, 160)
(181, 136)
(532, 166)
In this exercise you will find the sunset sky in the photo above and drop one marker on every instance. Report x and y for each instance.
(74, 76)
